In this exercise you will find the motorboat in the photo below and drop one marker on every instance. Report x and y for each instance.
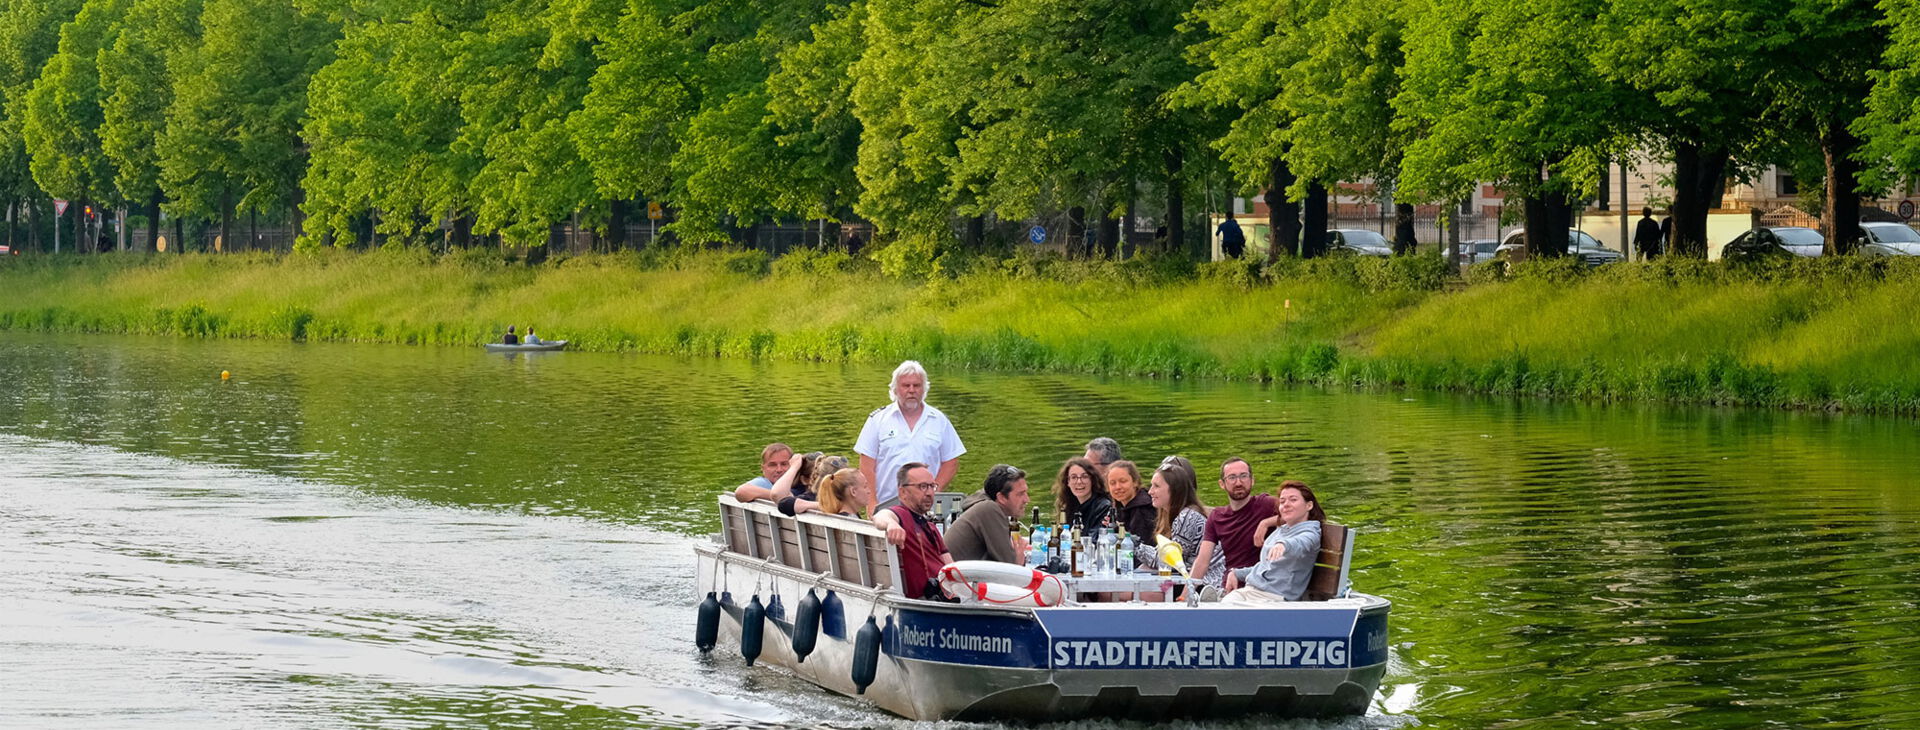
(818, 596)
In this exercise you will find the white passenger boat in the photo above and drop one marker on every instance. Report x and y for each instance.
(818, 595)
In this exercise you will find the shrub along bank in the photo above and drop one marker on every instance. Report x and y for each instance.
(1823, 334)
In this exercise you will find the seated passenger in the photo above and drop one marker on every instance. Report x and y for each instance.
(1286, 560)
(922, 550)
(801, 494)
(799, 471)
(982, 532)
(773, 463)
(511, 338)
(1182, 517)
(1267, 525)
(1081, 493)
(1135, 507)
(531, 338)
(844, 492)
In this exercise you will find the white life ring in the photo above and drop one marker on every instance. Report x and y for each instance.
(1004, 584)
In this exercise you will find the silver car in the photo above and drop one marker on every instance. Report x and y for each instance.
(1357, 242)
(1477, 251)
(1803, 242)
(1890, 239)
(1513, 247)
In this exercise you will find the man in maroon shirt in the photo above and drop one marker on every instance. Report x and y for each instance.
(922, 550)
(1230, 529)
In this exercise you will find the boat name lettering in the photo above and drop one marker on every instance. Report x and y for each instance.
(956, 640)
(1150, 653)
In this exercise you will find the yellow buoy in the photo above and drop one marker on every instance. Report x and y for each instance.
(224, 375)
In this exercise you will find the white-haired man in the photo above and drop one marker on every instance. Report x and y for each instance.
(905, 431)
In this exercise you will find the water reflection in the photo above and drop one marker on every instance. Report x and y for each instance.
(399, 536)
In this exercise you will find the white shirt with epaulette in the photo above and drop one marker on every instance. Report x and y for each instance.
(888, 441)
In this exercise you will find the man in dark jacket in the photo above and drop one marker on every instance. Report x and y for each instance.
(1233, 241)
(1647, 236)
(982, 531)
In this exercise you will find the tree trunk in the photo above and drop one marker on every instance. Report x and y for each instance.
(1076, 241)
(1547, 216)
(1404, 239)
(253, 229)
(1697, 177)
(1840, 215)
(977, 233)
(1453, 233)
(80, 242)
(1313, 221)
(153, 221)
(226, 218)
(1176, 202)
(462, 229)
(1129, 222)
(617, 225)
(1109, 234)
(179, 235)
(1283, 217)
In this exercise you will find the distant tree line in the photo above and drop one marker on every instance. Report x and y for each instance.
(401, 119)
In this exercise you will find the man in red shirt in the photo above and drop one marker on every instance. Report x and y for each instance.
(922, 550)
(1230, 528)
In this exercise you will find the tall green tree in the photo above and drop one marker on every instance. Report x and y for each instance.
(29, 35)
(232, 139)
(138, 87)
(522, 72)
(1505, 92)
(382, 121)
(1891, 128)
(1308, 84)
(62, 115)
(1700, 72)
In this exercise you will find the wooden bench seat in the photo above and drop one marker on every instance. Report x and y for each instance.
(843, 548)
(1329, 577)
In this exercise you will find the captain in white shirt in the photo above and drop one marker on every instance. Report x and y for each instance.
(907, 431)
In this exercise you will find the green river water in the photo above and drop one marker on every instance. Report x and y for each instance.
(377, 536)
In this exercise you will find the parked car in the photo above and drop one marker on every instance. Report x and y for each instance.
(1890, 239)
(1777, 241)
(1357, 242)
(1477, 251)
(1514, 247)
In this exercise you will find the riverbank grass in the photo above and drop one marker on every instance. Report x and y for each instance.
(1803, 334)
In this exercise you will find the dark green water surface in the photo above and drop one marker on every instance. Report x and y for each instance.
(376, 536)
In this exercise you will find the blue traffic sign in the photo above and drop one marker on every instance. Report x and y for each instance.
(1037, 234)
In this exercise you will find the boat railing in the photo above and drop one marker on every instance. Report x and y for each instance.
(1329, 577)
(844, 548)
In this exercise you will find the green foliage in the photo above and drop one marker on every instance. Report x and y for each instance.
(910, 256)
(62, 115)
(807, 262)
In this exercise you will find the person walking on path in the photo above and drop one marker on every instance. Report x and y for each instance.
(1647, 235)
(1233, 241)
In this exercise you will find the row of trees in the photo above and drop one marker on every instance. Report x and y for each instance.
(926, 117)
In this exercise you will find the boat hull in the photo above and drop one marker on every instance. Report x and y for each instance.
(942, 661)
(542, 347)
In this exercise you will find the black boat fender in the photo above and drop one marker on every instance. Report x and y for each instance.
(866, 655)
(806, 625)
(706, 630)
(753, 628)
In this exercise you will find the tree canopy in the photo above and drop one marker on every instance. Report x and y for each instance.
(395, 119)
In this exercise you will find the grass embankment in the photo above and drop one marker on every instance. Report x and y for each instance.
(1838, 334)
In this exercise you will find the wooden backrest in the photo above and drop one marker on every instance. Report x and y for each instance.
(849, 549)
(1329, 577)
